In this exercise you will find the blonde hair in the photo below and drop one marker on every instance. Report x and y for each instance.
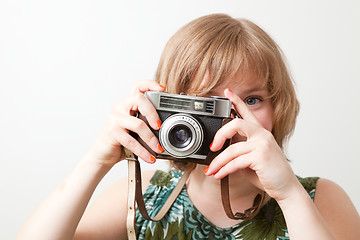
(219, 46)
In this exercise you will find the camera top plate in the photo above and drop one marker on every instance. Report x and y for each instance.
(213, 106)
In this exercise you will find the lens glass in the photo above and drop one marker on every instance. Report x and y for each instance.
(180, 136)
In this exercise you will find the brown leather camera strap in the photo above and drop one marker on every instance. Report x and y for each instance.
(135, 195)
(248, 214)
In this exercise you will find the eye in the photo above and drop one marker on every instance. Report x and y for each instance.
(252, 100)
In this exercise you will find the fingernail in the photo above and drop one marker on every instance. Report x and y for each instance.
(206, 169)
(160, 148)
(228, 89)
(211, 144)
(161, 86)
(158, 123)
(152, 159)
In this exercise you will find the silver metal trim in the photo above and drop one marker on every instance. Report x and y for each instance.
(196, 131)
(222, 107)
(195, 156)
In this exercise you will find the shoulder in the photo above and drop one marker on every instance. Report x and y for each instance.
(119, 189)
(326, 187)
(329, 193)
(337, 209)
(106, 216)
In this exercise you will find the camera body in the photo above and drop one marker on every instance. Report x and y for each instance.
(189, 124)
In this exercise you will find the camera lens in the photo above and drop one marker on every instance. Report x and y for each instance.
(180, 136)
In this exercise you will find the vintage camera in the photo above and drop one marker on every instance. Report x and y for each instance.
(189, 124)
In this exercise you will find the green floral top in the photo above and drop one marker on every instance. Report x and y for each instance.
(184, 221)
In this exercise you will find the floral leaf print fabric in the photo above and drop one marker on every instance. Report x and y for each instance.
(185, 222)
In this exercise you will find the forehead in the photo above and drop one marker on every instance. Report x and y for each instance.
(242, 81)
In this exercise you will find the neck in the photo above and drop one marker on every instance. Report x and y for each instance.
(238, 184)
(239, 187)
(204, 192)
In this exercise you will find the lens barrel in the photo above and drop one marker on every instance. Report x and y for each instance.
(181, 135)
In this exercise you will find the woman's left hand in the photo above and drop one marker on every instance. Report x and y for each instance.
(259, 157)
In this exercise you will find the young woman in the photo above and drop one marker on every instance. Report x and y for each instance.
(212, 55)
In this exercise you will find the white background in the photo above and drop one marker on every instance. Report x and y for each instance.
(63, 65)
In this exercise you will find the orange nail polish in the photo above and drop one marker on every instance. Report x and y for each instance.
(229, 90)
(161, 86)
(211, 144)
(152, 159)
(160, 148)
(206, 169)
(158, 123)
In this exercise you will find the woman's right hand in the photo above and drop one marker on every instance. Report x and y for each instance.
(76, 190)
(108, 147)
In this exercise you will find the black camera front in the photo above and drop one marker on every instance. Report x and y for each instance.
(189, 124)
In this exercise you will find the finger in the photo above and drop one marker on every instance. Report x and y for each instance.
(147, 85)
(139, 127)
(148, 110)
(240, 106)
(134, 146)
(239, 163)
(230, 153)
(235, 126)
(139, 103)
